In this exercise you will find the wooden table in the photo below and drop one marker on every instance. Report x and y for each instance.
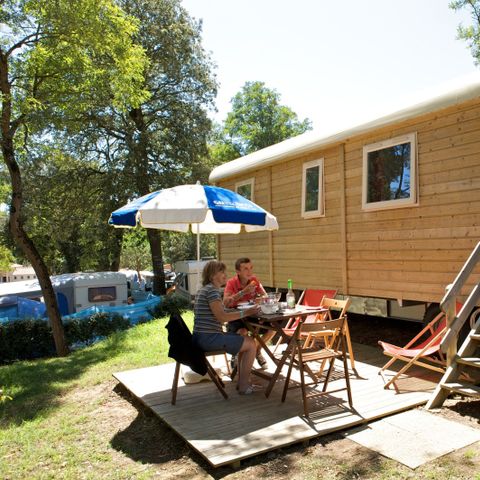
(275, 322)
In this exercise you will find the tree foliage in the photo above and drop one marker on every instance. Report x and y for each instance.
(6, 259)
(57, 60)
(183, 246)
(258, 120)
(67, 210)
(155, 143)
(162, 141)
(470, 33)
(176, 247)
(135, 250)
(221, 148)
(65, 56)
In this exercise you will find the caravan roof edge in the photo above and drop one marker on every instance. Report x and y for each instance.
(462, 90)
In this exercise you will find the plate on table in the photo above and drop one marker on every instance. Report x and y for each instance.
(243, 306)
(296, 308)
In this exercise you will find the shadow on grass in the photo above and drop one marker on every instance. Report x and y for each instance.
(147, 439)
(42, 383)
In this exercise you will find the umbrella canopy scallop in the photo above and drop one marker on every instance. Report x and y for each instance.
(200, 208)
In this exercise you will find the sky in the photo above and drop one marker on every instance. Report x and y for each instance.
(334, 62)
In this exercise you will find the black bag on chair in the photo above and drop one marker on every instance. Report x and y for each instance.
(181, 346)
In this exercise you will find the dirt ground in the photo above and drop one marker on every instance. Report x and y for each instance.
(141, 437)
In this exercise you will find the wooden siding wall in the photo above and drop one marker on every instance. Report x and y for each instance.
(408, 253)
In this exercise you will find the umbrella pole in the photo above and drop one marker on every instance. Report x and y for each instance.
(198, 242)
(198, 257)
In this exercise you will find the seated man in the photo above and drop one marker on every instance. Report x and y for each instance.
(245, 287)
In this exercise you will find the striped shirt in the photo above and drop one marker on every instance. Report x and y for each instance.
(205, 321)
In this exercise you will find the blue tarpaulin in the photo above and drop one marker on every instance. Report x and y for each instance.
(134, 312)
(12, 306)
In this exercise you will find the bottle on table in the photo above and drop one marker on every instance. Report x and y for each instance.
(290, 295)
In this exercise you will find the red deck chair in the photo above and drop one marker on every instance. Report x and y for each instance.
(424, 353)
(309, 298)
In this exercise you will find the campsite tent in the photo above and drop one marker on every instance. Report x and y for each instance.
(12, 306)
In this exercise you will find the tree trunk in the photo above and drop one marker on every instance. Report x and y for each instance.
(116, 250)
(31, 252)
(16, 224)
(71, 253)
(138, 146)
(157, 261)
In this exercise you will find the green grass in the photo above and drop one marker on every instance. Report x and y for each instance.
(51, 427)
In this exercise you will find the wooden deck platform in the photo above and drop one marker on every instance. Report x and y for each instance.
(227, 431)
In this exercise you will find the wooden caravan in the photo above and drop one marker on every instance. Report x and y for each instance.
(387, 209)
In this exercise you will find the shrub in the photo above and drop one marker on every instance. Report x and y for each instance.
(171, 303)
(105, 324)
(87, 330)
(26, 339)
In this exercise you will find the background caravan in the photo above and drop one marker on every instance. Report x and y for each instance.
(76, 291)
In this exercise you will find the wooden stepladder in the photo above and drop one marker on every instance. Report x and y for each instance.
(466, 363)
(468, 356)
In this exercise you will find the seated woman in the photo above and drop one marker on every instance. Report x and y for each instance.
(209, 316)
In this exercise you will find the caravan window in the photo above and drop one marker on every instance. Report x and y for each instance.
(312, 189)
(102, 294)
(390, 173)
(245, 188)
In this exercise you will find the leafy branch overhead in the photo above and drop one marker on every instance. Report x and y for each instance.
(470, 33)
(65, 56)
(258, 120)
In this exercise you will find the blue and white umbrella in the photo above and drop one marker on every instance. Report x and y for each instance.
(199, 208)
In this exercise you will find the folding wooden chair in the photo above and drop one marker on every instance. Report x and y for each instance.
(185, 352)
(424, 353)
(315, 352)
(341, 306)
(310, 298)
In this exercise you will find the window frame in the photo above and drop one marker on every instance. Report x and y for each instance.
(102, 294)
(320, 211)
(248, 181)
(412, 201)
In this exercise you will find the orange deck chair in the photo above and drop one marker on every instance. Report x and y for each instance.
(424, 353)
(310, 298)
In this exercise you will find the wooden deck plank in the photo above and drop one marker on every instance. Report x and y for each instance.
(227, 431)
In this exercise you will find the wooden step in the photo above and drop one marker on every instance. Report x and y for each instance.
(475, 336)
(470, 361)
(462, 388)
